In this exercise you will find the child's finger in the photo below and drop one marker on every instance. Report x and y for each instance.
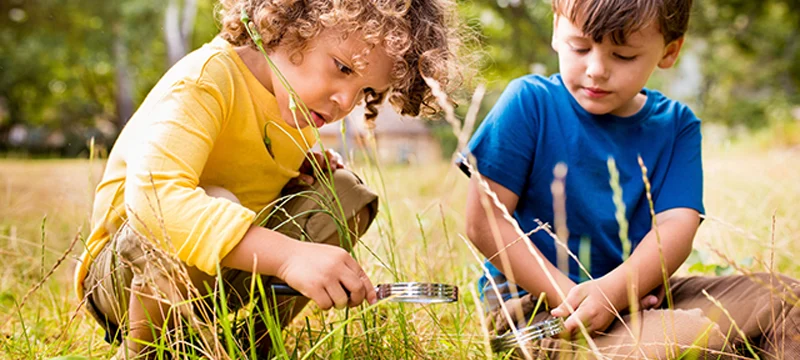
(319, 158)
(581, 316)
(571, 325)
(355, 287)
(305, 179)
(336, 160)
(369, 290)
(648, 302)
(338, 295)
(574, 298)
(321, 298)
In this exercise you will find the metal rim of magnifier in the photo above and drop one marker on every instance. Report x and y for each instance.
(417, 292)
(537, 331)
(409, 292)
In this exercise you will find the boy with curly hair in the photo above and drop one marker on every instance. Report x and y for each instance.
(597, 108)
(218, 140)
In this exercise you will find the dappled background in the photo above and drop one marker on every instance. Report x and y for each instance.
(73, 70)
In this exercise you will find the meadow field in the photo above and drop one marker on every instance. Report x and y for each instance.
(752, 197)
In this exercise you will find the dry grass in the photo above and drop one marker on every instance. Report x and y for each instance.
(417, 237)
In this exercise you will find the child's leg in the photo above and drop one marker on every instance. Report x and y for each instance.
(158, 294)
(121, 298)
(766, 308)
(134, 286)
(311, 214)
(655, 334)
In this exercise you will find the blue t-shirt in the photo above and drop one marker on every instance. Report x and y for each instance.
(536, 123)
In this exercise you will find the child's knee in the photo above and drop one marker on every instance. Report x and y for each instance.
(358, 201)
(335, 215)
(220, 192)
(359, 223)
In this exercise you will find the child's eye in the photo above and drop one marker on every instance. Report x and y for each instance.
(342, 67)
(625, 58)
(580, 50)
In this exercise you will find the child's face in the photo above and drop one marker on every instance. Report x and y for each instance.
(326, 79)
(606, 78)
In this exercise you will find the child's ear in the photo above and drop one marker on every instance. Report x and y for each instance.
(671, 52)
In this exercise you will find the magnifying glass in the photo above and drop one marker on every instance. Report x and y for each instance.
(537, 331)
(407, 292)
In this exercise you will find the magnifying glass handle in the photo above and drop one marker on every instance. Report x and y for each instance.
(463, 165)
(283, 289)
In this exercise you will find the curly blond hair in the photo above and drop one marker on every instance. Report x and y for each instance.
(420, 36)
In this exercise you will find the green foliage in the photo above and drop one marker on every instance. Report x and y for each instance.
(61, 72)
(699, 262)
(751, 60)
(516, 37)
(749, 54)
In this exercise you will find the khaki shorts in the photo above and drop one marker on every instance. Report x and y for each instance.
(765, 309)
(310, 214)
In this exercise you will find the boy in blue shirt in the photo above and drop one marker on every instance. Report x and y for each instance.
(597, 108)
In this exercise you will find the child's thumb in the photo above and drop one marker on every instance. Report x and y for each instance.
(563, 309)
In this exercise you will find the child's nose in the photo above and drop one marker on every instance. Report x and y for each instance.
(346, 99)
(596, 67)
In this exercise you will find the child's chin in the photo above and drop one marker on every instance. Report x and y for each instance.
(300, 124)
(594, 108)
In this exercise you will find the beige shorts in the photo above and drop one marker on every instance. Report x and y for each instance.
(310, 214)
(764, 307)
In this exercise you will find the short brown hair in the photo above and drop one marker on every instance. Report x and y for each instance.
(419, 35)
(620, 18)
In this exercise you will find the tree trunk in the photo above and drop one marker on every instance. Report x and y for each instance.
(178, 26)
(124, 96)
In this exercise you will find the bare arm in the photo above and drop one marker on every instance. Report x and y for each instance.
(676, 228)
(261, 249)
(324, 273)
(515, 261)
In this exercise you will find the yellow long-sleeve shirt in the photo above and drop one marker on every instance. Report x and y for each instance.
(203, 124)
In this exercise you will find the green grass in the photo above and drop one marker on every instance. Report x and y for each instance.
(418, 236)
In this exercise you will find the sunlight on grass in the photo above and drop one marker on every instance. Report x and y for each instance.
(417, 237)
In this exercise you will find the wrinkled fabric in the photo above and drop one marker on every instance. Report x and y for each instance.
(203, 124)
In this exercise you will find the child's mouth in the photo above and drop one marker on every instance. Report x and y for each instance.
(317, 118)
(595, 92)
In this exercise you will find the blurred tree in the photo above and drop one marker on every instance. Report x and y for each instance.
(515, 35)
(78, 69)
(751, 60)
(178, 27)
(747, 54)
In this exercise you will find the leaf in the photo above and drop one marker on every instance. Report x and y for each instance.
(724, 270)
(697, 257)
(746, 262)
(700, 268)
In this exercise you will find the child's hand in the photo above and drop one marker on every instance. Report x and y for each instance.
(591, 307)
(326, 274)
(653, 299)
(306, 176)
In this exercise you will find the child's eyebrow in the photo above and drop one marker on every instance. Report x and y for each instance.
(630, 45)
(577, 36)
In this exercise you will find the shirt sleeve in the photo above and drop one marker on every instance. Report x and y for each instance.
(683, 183)
(504, 144)
(162, 198)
